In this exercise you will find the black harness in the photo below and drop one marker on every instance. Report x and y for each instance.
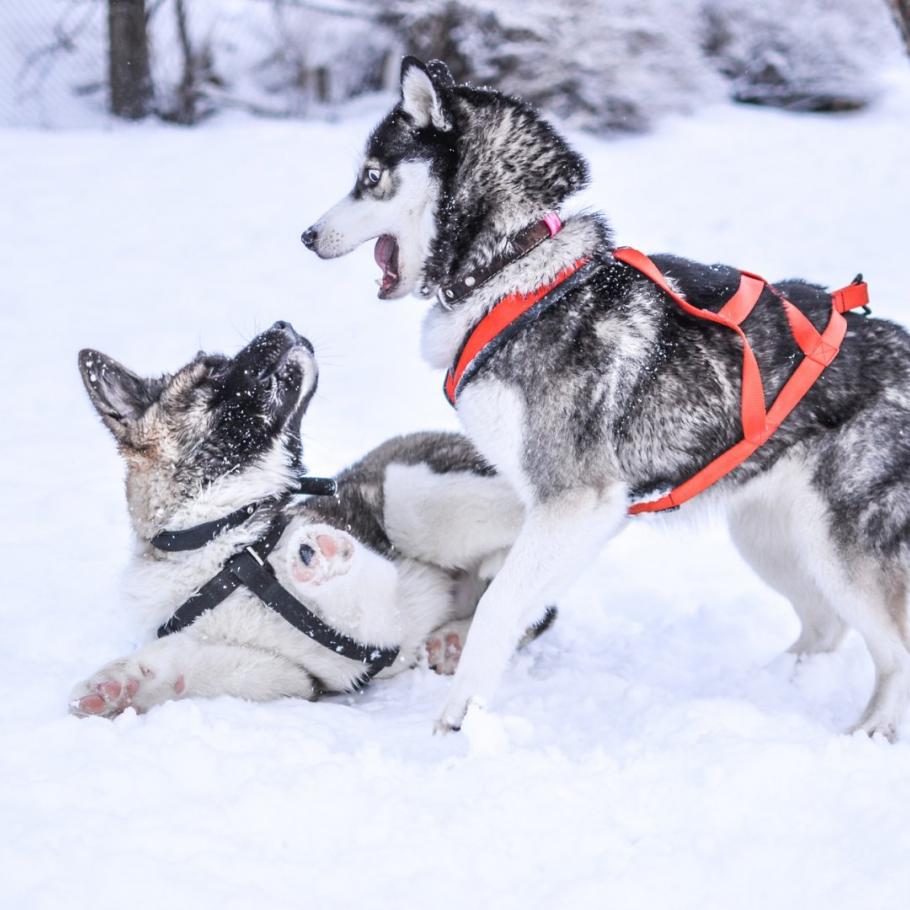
(250, 569)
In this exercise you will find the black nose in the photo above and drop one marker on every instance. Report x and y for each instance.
(287, 328)
(308, 238)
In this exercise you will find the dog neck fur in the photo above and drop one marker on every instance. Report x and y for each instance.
(508, 168)
(445, 328)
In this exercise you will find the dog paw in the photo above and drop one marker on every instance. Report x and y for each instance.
(444, 650)
(121, 685)
(876, 726)
(444, 726)
(319, 553)
(453, 715)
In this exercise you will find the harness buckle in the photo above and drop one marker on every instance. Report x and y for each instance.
(255, 556)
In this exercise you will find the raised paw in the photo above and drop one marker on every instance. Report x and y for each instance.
(318, 553)
(121, 685)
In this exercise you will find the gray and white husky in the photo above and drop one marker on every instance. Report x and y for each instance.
(396, 559)
(613, 393)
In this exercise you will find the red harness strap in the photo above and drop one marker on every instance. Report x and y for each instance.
(819, 349)
(503, 314)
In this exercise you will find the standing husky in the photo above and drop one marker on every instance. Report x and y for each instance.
(213, 455)
(612, 393)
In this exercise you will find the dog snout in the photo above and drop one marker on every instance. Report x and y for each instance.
(282, 326)
(308, 238)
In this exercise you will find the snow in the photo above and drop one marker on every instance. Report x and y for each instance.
(655, 749)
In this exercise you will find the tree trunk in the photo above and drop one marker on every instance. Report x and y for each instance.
(130, 80)
(900, 10)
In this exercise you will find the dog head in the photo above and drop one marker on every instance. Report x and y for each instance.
(216, 434)
(450, 170)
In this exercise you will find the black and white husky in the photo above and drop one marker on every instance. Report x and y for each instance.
(396, 559)
(613, 393)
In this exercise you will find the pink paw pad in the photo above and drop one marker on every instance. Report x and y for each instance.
(453, 646)
(434, 651)
(91, 704)
(443, 655)
(316, 557)
(110, 690)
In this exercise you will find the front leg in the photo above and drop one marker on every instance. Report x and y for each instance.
(180, 666)
(558, 538)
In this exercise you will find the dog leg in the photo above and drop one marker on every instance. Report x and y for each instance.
(180, 666)
(556, 541)
(879, 614)
(767, 540)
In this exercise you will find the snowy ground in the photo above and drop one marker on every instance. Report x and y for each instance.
(654, 751)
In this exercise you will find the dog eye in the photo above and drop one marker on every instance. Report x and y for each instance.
(373, 175)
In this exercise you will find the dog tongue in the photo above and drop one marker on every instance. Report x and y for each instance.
(385, 247)
(384, 254)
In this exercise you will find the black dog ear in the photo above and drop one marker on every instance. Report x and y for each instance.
(118, 394)
(422, 97)
(440, 74)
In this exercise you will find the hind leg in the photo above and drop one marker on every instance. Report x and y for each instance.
(767, 540)
(788, 543)
(184, 666)
(876, 607)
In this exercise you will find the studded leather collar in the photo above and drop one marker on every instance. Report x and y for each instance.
(522, 244)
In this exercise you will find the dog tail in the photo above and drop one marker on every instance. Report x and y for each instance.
(534, 631)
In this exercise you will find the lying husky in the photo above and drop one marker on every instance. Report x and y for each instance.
(213, 454)
(611, 392)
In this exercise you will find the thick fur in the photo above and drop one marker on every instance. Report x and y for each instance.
(615, 394)
(405, 548)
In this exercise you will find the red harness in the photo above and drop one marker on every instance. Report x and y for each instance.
(819, 350)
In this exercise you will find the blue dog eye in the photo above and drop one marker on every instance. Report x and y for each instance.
(374, 176)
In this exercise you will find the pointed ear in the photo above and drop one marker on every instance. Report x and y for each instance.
(421, 96)
(119, 395)
(440, 74)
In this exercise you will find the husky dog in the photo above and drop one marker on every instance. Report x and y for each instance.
(613, 393)
(405, 547)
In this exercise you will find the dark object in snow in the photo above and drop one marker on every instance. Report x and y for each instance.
(128, 59)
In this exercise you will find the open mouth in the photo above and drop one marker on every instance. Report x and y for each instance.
(386, 256)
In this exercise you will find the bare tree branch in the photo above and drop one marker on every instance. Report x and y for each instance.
(352, 10)
(37, 65)
(900, 11)
(186, 91)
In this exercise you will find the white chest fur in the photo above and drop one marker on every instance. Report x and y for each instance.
(493, 416)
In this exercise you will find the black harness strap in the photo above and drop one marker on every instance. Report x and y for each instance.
(250, 569)
(201, 534)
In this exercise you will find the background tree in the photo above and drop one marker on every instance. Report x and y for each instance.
(128, 59)
(900, 9)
